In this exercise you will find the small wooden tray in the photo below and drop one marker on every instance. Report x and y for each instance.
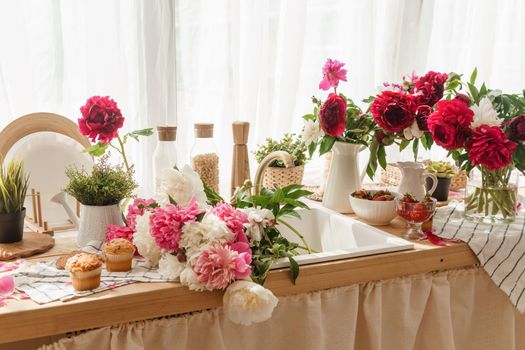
(33, 243)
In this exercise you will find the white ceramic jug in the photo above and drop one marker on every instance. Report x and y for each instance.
(344, 177)
(94, 221)
(413, 175)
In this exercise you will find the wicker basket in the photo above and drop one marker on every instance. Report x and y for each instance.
(392, 176)
(281, 177)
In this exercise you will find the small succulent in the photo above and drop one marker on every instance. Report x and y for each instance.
(290, 143)
(442, 170)
(13, 187)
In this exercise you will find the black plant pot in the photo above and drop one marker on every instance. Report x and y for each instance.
(443, 186)
(12, 227)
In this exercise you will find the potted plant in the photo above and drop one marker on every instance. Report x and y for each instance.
(13, 188)
(444, 172)
(276, 174)
(99, 194)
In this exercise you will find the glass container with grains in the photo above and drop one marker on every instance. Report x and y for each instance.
(204, 158)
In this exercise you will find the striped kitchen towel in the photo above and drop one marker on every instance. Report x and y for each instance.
(44, 283)
(499, 248)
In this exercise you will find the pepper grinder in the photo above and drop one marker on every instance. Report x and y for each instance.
(240, 162)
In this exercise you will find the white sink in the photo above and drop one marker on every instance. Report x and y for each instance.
(334, 236)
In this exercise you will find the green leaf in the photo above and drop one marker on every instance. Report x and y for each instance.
(309, 117)
(212, 196)
(381, 156)
(142, 132)
(415, 148)
(311, 149)
(474, 92)
(372, 162)
(294, 268)
(404, 143)
(97, 149)
(473, 76)
(327, 143)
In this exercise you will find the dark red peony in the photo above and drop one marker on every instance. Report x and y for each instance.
(422, 114)
(517, 128)
(449, 124)
(393, 111)
(464, 98)
(489, 146)
(101, 119)
(429, 88)
(332, 115)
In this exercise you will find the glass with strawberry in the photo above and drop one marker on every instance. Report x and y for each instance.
(415, 213)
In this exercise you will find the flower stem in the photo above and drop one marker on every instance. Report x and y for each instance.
(297, 233)
(123, 153)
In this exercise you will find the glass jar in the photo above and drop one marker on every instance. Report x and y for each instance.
(491, 195)
(165, 154)
(204, 159)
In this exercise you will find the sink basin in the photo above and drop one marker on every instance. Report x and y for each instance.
(335, 236)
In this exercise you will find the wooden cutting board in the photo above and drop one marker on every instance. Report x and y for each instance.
(33, 243)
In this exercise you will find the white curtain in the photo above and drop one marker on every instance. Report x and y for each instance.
(255, 60)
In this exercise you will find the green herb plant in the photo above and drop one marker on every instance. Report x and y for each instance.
(442, 170)
(13, 187)
(290, 143)
(105, 185)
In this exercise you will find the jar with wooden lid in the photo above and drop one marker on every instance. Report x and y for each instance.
(165, 154)
(204, 159)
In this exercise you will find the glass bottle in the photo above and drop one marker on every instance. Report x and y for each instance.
(165, 154)
(204, 159)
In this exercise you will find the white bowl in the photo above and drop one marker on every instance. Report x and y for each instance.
(374, 212)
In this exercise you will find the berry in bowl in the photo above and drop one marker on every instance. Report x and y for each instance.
(415, 213)
(376, 207)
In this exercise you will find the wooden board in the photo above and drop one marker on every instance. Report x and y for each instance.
(33, 243)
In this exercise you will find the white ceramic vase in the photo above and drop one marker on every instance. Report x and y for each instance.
(413, 177)
(94, 221)
(344, 177)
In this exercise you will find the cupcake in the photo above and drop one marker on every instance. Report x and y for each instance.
(119, 255)
(84, 270)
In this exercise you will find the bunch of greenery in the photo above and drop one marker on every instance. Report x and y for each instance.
(442, 170)
(283, 202)
(290, 143)
(106, 185)
(13, 187)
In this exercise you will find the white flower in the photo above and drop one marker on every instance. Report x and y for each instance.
(143, 240)
(211, 230)
(182, 186)
(170, 267)
(311, 132)
(484, 113)
(189, 279)
(246, 302)
(258, 219)
(412, 131)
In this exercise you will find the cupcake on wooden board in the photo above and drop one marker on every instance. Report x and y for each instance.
(119, 255)
(84, 270)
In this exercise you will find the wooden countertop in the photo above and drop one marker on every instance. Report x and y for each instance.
(20, 320)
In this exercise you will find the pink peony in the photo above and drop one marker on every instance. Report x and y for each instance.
(137, 208)
(243, 260)
(333, 72)
(234, 219)
(219, 266)
(166, 224)
(101, 119)
(116, 231)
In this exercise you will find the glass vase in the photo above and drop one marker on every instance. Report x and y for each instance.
(490, 196)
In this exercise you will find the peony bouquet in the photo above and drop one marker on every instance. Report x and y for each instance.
(484, 131)
(100, 122)
(193, 236)
(338, 118)
(401, 112)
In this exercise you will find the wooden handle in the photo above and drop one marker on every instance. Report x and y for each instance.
(240, 131)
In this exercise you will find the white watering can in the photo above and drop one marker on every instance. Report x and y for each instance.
(413, 176)
(60, 198)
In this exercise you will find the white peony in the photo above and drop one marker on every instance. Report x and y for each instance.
(144, 242)
(246, 302)
(196, 234)
(311, 132)
(170, 267)
(189, 279)
(182, 186)
(412, 131)
(484, 114)
(258, 219)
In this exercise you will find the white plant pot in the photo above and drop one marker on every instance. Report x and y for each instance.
(344, 177)
(94, 221)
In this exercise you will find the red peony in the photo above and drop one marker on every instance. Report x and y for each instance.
(332, 115)
(428, 89)
(101, 119)
(489, 146)
(422, 114)
(393, 111)
(449, 124)
(517, 128)
(464, 98)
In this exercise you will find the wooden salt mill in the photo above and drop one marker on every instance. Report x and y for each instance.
(240, 162)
